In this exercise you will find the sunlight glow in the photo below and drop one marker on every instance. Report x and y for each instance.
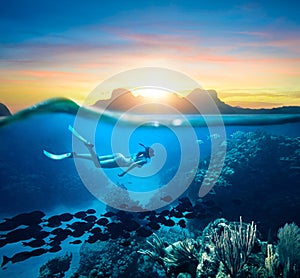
(152, 93)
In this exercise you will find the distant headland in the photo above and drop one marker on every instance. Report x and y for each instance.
(4, 111)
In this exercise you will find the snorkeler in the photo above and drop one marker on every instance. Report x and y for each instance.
(115, 160)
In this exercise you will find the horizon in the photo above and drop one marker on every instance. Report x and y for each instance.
(141, 94)
(247, 51)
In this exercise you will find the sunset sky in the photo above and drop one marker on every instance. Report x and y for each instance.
(249, 52)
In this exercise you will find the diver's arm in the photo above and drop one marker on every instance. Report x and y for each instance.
(132, 166)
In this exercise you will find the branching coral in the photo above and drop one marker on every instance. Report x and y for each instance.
(288, 249)
(181, 256)
(233, 246)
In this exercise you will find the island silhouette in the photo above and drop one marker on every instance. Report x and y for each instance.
(197, 101)
(4, 111)
(205, 102)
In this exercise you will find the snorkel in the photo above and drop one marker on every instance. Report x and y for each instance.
(147, 150)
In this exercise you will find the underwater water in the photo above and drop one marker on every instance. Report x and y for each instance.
(259, 181)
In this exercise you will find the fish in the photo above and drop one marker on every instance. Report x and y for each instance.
(65, 217)
(143, 232)
(161, 219)
(190, 215)
(175, 213)
(22, 234)
(78, 241)
(56, 231)
(54, 249)
(53, 221)
(92, 239)
(80, 225)
(153, 225)
(115, 229)
(109, 214)
(62, 235)
(90, 211)
(27, 219)
(41, 235)
(80, 214)
(213, 136)
(34, 243)
(131, 225)
(123, 216)
(167, 199)
(78, 233)
(90, 218)
(184, 205)
(164, 213)
(144, 214)
(181, 223)
(22, 256)
(96, 230)
(79, 228)
(103, 236)
(169, 223)
(200, 142)
(102, 221)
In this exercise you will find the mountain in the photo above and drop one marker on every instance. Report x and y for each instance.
(4, 111)
(124, 100)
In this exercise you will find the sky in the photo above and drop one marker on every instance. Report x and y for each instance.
(248, 51)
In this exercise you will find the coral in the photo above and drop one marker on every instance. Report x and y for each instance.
(288, 249)
(56, 267)
(233, 246)
(271, 261)
(179, 257)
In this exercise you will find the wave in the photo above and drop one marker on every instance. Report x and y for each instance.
(64, 105)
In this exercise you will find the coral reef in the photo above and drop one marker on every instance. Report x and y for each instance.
(228, 249)
(251, 152)
(112, 259)
(222, 249)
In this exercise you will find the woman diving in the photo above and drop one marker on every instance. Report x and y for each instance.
(115, 160)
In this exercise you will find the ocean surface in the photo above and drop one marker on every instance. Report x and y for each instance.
(258, 181)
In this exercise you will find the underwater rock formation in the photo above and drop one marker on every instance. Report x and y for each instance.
(56, 267)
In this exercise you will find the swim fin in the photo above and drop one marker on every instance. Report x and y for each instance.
(57, 156)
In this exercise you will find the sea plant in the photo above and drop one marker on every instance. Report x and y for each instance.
(234, 245)
(288, 249)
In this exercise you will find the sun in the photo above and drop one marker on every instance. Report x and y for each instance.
(152, 93)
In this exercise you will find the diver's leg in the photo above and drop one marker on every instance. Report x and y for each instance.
(109, 163)
(82, 155)
(89, 146)
(94, 156)
(106, 157)
(79, 137)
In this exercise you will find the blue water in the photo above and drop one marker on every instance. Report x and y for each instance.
(30, 181)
